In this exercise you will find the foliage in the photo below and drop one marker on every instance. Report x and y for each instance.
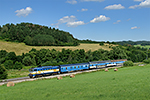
(27, 61)
(128, 63)
(101, 43)
(3, 72)
(147, 61)
(33, 34)
(8, 64)
(18, 65)
(143, 43)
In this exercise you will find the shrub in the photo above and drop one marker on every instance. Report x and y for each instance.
(128, 63)
(3, 72)
(8, 64)
(147, 61)
(18, 65)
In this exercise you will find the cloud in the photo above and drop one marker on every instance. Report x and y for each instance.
(101, 18)
(72, 1)
(138, 0)
(115, 6)
(143, 4)
(118, 21)
(93, 0)
(71, 21)
(82, 10)
(24, 12)
(75, 24)
(135, 27)
(128, 19)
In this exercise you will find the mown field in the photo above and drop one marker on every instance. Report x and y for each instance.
(128, 83)
(20, 48)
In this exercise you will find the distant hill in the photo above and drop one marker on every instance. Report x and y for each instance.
(36, 35)
(142, 43)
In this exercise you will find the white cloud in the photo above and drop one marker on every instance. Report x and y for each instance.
(23, 12)
(70, 21)
(101, 18)
(93, 0)
(115, 6)
(138, 0)
(82, 10)
(75, 24)
(143, 4)
(118, 21)
(135, 27)
(72, 1)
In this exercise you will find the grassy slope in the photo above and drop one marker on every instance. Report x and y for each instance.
(20, 48)
(130, 83)
(147, 46)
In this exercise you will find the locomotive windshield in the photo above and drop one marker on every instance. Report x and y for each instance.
(31, 70)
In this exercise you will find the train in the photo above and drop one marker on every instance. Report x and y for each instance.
(49, 70)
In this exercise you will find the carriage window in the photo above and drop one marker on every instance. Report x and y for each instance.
(35, 69)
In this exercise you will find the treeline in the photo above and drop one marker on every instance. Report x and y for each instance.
(36, 35)
(46, 57)
(142, 43)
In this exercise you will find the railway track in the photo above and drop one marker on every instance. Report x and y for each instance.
(22, 79)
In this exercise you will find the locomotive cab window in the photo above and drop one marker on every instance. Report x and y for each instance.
(35, 70)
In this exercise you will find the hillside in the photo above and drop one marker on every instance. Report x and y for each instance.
(36, 35)
(20, 48)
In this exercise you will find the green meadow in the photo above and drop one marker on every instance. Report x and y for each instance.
(147, 46)
(128, 83)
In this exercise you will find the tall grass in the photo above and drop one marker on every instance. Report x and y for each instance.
(128, 83)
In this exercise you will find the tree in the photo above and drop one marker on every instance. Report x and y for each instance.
(27, 61)
(18, 65)
(8, 64)
(3, 72)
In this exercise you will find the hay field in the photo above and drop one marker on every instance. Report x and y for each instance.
(128, 83)
(20, 48)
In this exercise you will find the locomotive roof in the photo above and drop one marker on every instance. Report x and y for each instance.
(78, 64)
(42, 67)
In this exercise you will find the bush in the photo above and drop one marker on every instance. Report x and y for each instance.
(8, 64)
(147, 61)
(128, 63)
(3, 72)
(18, 65)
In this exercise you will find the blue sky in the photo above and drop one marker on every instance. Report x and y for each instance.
(99, 20)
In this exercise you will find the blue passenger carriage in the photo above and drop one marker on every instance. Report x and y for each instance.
(34, 72)
(99, 64)
(73, 67)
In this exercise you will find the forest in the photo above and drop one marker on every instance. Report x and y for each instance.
(142, 43)
(36, 35)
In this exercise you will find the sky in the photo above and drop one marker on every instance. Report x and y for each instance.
(98, 20)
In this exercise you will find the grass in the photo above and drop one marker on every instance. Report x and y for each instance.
(128, 83)
(147, 46)
(17, 73)
(13, 73)
(20, 48)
